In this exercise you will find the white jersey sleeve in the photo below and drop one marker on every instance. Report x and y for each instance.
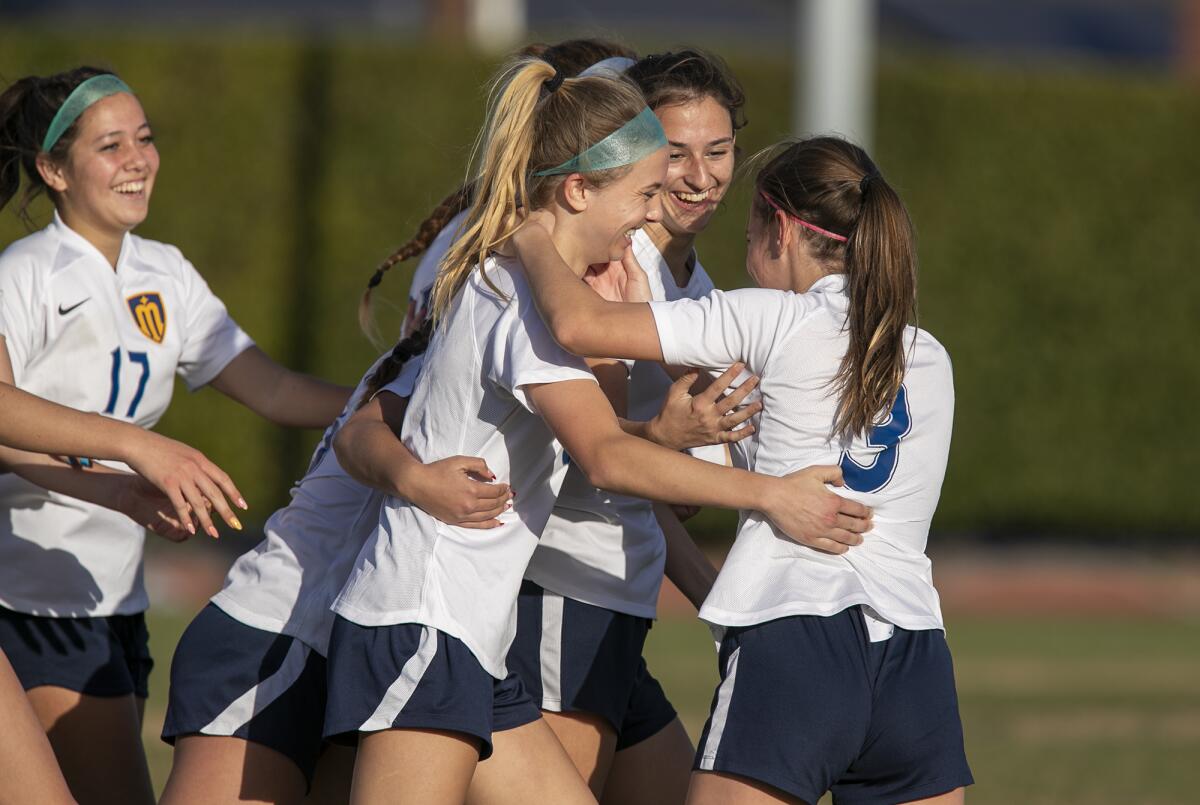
(724, 327)
(524, 353)
(211, 337)
(21, 318)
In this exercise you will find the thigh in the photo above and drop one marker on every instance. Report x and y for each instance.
(589, 741)
(98, 743)
(652, 771)
(234, 681)
(413, 767)
(528, 764)
(27, 765)
(717, 788)
(220, 769)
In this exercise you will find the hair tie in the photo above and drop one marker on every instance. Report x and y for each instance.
(553, 83)
(376, 278)
(866, 180)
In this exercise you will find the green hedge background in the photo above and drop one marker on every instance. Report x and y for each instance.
(1055, 212)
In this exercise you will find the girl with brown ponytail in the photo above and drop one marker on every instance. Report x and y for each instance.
(835, 673)
(417, 672)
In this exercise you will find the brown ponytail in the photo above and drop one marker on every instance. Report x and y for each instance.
(832, 184)
(27, 108)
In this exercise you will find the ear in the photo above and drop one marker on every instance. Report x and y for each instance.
(575, 192)
(782, 236)
(51, 173)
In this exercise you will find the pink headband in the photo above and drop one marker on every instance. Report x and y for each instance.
(801, 221)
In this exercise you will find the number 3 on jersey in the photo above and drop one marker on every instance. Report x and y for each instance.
(876, 474)
(143, 360)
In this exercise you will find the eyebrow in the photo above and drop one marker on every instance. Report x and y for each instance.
(722, 141)
(144, 125)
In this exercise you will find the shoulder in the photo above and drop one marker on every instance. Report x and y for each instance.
(927, 350)
(27, 259)
(160, 255)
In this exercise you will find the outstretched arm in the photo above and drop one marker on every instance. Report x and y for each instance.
(579, 319)
(799, 504)
(191, 482)
(274, 392)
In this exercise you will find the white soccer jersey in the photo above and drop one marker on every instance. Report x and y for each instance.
(600, 547)
(287, 583)
(423, 278)
(472, 400)
(795, 343)
(86, 336)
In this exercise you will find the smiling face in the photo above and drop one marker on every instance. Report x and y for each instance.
(104, 187)
(700, 133)
(620, 207)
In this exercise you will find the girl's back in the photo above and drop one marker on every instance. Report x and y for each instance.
(795, 343)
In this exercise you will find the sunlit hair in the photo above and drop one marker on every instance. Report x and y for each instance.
(684, 76)
(572, 57)
(27, 108)
(529, 129)
(832, 184)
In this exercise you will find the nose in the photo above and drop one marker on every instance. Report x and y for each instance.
(654, 209)
(697, 175)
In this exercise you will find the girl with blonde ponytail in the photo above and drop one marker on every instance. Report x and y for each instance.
(835, 674)
(417, 673)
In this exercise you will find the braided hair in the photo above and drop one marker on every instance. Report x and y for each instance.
(406, 349)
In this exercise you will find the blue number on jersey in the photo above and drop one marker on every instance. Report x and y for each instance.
(878, 473)
(143, 360)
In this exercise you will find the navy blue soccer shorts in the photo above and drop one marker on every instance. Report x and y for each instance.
(808, 704)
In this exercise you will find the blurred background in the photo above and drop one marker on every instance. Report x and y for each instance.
(1048, 153)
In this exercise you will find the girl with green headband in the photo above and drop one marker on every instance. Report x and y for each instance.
(417, 673)
(98, 319)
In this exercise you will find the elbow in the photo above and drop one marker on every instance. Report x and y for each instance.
(343, 446)
(603, 469)
(568, 331)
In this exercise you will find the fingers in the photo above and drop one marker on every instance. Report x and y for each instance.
(182, 510)
(828, 475)
(484, 525)
(226, 484)
(683, 384)
(719, 385)
(854, 509)
(738, 395)
(475, 466)
(735, 436)
(732, 420)
(200, 504)
(489, 493)
(852, 526)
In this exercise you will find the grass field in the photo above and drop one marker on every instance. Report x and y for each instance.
(1055, 711)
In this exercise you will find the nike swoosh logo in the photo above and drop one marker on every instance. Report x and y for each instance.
(62, 311)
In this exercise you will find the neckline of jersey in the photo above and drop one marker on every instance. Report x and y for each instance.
(66, 233)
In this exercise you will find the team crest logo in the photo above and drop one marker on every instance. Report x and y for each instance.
(149, 315)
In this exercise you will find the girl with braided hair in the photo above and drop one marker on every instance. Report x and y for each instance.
(99, 319)
(835, 673)
(417, 673)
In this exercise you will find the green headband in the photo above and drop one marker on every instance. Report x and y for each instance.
(83, 96)
(638, 138)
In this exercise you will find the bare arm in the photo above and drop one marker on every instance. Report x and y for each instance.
(687, 567)
(189, 480)
(287, 398)
(456, 490)
(579, 319)
(122, 492)
(799, 504)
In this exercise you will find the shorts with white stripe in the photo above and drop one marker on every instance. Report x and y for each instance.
(576, 657)
(411, 676)
(231, 679)
(809, 704)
